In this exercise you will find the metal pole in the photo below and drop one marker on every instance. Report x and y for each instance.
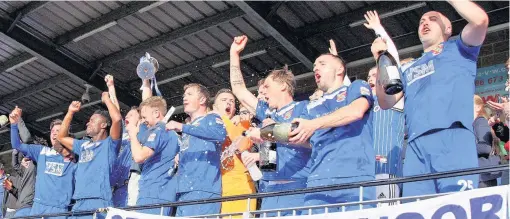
(361, 197)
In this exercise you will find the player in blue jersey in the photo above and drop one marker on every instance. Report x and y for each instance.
(388, 133)
(54, 179)
(156, 151)
(124, 162)
(126, 171)
(440, 124)
(279, 105)
(96, 155)
(199, 175)
(340, 126)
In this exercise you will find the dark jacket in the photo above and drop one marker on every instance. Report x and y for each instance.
(9, 199)
(484, 149)
(25, 188)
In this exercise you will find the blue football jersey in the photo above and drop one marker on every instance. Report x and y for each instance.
(54, 183)
(156, 180)
(292, 161)
(199, 159)
(95, 167)
(439, 88)
(344, 151)
(124, 160)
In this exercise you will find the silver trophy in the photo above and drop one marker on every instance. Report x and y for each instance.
(147, 67)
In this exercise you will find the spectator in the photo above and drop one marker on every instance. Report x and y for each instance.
(24, 189)
(501, 132)
(10, 202)
(2, 190)
(483, 137)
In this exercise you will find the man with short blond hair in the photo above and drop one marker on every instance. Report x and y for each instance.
(155, 148)
(156, 102)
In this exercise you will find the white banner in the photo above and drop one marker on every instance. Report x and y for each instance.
(474, 204)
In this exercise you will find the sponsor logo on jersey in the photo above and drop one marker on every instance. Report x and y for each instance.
(341, 96)
(420, 71)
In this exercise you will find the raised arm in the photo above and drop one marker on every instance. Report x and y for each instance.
(474, 32)
(146, 89)
(31, 151)
(111, 90)
(236, 76)
(63, 133)
(383, 42)
(114, 112)
(139, 152)
(374, 23)
(332, 50)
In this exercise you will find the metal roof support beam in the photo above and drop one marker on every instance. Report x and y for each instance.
(174, 35)
(259, 11)
(30, 7)
(27, 9)
(49, 54)
(14, 61)
(33, 89)
(121, 12)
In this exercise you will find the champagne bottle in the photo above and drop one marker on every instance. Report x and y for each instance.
(253, 169)
(389, 73)
(277, 132)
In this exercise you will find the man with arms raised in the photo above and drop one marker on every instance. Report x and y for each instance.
(388, 124)
(96, 156)
(278, 105)
(126, 176)
(440, 124)
(199, 174)
(55, 173)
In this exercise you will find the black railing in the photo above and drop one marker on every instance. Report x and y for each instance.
(371, 183)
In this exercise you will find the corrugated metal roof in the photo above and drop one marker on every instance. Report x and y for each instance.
(56, 18)
(11, 6)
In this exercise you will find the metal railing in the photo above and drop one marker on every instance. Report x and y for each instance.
(360, 185)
